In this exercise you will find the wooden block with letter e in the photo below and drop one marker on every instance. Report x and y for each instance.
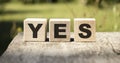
(84, 29)
(35, 29)
(59, 30)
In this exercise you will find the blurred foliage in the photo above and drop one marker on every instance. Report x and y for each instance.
(1, 9)
(43, 1)
(88, 2)
(4, 1)
(99, 2)
(112, 1)
(14, 12)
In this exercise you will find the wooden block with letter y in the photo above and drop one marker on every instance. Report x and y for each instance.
(84, 29)
(35, 29)
(59, 30)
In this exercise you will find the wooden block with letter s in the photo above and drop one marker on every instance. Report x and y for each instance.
(35, 29)
(59, 30)
(84, 29)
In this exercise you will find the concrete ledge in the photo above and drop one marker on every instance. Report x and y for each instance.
(106, 49)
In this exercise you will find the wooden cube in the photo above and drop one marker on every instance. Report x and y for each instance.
(84, 29)
(59, 30)
(35, 29)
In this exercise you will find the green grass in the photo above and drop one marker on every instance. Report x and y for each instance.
(107, 19)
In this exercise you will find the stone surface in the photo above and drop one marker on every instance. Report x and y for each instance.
(106, 49)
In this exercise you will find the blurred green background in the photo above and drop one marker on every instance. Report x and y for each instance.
(13, 12)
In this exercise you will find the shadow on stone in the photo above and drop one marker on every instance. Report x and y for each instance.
(47, 40)
(71, 40)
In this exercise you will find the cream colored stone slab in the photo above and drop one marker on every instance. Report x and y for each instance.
(37, 24)
(81, 25)
(55, 27)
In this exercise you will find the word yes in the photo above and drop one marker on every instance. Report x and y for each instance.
(59, 29)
